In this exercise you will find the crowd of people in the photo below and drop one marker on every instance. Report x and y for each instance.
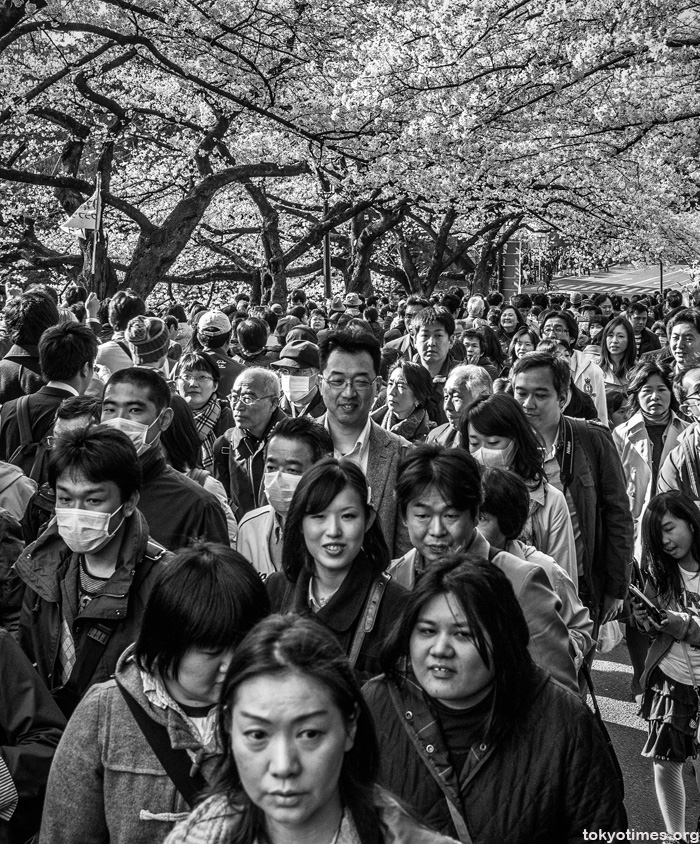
(336, 572)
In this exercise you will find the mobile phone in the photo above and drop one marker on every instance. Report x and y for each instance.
(655, 614)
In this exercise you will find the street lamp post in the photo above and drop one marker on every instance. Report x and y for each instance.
(661, 276)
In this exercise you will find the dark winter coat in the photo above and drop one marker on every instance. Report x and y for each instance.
(544, 782)
(343, 611)
(30, 728)
(50, 571)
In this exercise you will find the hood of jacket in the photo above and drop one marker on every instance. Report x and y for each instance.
(43, 562)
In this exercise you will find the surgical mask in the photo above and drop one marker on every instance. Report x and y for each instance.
(495, 458)
(279, 489)
(84, 531)
(137, 432)
(296, 387)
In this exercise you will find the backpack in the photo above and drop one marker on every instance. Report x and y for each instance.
(31, 455)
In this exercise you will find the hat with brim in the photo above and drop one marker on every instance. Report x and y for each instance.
(300, 354)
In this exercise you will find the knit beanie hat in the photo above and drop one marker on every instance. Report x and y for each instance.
(148, 339)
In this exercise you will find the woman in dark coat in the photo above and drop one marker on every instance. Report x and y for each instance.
(333, 562)
(482, 743)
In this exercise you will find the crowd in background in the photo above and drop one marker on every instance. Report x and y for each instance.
(337, 572)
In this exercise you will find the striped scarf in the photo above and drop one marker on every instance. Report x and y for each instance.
(205, 419)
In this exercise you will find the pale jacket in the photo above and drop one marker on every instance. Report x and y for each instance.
(551, 528)
(253, 542)
(588, 376)
(635, 448)
(575, 615)
(549, 636)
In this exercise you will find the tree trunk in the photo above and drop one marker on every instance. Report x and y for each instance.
(272, 245)
(360, 279)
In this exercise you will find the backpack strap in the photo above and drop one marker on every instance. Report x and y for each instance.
(199, 476)
(176, 763)
(369, 615)
(25, 426)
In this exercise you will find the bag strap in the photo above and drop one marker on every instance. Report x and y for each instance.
(96, 641)
(176, 763)
(25, 426)
(369, 615)
(459, 822)
(124, 347)
(585, 670)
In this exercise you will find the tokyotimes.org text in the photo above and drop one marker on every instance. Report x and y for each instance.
(638, 835)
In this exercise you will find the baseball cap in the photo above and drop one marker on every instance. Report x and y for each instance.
(298, 354)
(213, 322)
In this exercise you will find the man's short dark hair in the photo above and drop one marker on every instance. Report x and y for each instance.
(27, 316)
(688, 316)
(299, 311)
(98, 454)
(76, 406)
(124, 306)
(306, 430)
(417, 300)
(521, 300)
(451, 302)
(639, 307)
(252, 334)
(144, 378)
(453, 472)
(474, 334)
(561, 373)
(64, 349)
(351, 344)
(674, 299)
(208, 597)
(432, 316)
(171, 321)
(567, 317)
(299, 295)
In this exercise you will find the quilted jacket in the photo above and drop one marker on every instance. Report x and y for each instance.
(544, 782)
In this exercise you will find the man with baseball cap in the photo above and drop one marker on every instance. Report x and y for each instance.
(299, 370)
(214, 333)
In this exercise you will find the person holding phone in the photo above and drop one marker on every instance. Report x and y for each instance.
(671, 678)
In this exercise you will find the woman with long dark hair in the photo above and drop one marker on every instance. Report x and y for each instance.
(618, 352)
(510, 321)
(301, 752)
(333, 562)
(499, 434)
(465, 718)
(671, 541)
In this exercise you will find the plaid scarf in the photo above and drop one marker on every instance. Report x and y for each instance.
(205, 419)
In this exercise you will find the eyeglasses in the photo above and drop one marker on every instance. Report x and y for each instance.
(555, 329)
(360, 384)
(194, 379)
(693, 397)
(246, 399)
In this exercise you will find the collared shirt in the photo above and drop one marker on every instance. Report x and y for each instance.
(315, 604)
(360, 451)
(61, 385)
(157, 695)
(553, 473)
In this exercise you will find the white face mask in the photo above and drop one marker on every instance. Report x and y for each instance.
(84, 531)
(495, 458)
(279, 489)
(137, 432)
(296, 387)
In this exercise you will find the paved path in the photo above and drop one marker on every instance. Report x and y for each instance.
(624, 280)
(611, 676)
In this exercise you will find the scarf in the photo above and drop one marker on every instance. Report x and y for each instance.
(205, 419)
(414, 427)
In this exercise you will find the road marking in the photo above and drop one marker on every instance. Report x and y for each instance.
(615, 667)
(621, 712)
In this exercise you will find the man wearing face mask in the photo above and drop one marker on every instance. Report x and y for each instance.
(137, 402)
(299, 370)
(294, 446)
(88, 575)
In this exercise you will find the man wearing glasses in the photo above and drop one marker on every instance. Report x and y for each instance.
(349, 370)
(239, 454)
(681, 469)
(588, 376)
